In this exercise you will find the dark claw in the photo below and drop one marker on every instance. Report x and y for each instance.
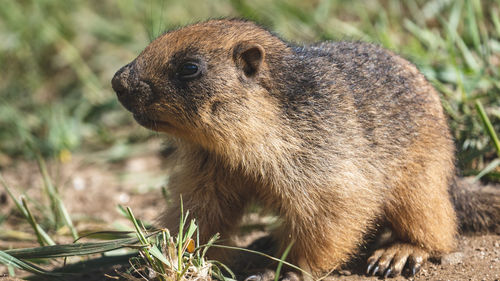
(369, 268)
(375, 270)
(415, 269)
(387, 272)
(254, 278)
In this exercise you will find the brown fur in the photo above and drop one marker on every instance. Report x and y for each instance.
(333, 137)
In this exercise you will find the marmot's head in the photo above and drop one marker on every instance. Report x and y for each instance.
(204, 82)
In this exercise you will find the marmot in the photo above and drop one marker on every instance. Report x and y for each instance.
(334, 137)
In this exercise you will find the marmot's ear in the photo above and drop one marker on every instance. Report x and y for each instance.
(249, 57)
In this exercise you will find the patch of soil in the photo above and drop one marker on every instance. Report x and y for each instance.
(92, 190)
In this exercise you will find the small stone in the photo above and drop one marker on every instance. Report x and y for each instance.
(79, 183)
(452, 258)
(123, 198)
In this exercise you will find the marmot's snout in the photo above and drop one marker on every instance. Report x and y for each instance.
(132, 92)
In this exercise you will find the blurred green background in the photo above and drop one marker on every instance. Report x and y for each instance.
(57, 59)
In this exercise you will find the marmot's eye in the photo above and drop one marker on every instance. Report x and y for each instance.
(188, 70)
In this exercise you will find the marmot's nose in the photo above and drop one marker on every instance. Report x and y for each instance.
(125, 83)
(120, 82)
(133, 93)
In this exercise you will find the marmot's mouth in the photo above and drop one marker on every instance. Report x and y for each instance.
(152, 124)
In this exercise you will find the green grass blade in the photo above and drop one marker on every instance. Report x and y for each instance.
(283, 257)
(455, 15)
(31, 219)
(11, 271)
(180, 241)
(496, 20)
(457, 40)
(68, 250)
(425, 36)
(123, 211)
(467, 54)
(58, 208)
(471, 23)
(209, 244)
(138, 230)
(155, 252)
(158, 261)
(7, 260)
(488, 126)
(489, 168)
(147, 250)
(16, 202)
(191, 229)
(218, 272)
(66, 218)
(107, 235)
(41, 234)
(49, 187)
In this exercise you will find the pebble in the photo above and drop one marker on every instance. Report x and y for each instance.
(79, 183)
(123, 198)
(452, 258)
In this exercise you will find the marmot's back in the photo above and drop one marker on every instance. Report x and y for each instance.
(392, 100)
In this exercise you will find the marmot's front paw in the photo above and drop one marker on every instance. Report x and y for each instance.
(390, 261)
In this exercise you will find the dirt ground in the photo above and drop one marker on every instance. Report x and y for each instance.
(93, 188)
